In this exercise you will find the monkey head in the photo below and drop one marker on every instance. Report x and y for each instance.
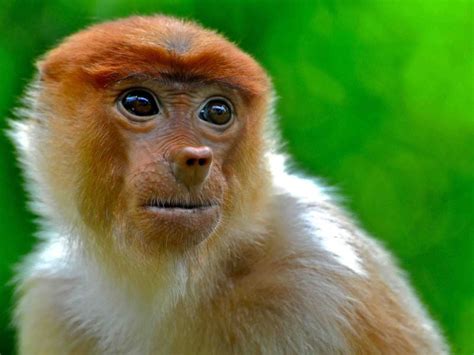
(151, 130)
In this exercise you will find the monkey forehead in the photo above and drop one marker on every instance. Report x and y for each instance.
(155, 46)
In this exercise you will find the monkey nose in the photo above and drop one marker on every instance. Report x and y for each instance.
(191, 165)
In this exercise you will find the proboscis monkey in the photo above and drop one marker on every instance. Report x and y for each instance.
(169, 221)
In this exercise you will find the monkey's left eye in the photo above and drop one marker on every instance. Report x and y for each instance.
(216, 111)
(141, 103)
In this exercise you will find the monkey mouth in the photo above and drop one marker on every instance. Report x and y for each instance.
(178, 206)
(178, 222)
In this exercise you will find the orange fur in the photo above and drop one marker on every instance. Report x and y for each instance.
(274, 266)
(110, 52)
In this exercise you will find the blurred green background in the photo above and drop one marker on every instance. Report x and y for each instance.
(374, 96)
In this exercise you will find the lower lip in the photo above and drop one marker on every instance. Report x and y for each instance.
(191, 219)
(178, 226)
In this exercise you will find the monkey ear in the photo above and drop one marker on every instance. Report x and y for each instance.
(48, 69)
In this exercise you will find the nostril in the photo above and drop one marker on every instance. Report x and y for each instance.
(191, 165)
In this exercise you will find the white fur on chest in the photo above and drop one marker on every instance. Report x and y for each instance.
(109, 311)
(117, 316)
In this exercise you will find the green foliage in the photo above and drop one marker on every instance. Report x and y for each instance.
(375, 96)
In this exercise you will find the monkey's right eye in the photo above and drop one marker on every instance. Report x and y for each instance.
(141, 103)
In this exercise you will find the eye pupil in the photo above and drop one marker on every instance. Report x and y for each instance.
(217, 112)
(140, 103)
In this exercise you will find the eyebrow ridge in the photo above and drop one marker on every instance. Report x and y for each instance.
(167, 78)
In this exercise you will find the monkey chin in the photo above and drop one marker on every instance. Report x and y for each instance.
(174, 227)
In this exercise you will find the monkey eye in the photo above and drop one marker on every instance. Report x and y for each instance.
(141, 103)
(216, 111)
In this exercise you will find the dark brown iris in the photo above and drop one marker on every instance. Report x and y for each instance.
(216, 111)
(140, 103)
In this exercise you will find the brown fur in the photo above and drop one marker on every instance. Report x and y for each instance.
(249, 278)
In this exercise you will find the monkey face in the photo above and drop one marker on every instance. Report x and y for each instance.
(176, 184)
(162, 122)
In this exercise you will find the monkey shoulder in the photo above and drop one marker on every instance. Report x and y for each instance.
(307, 214)
(320, 274)
(44, 292)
